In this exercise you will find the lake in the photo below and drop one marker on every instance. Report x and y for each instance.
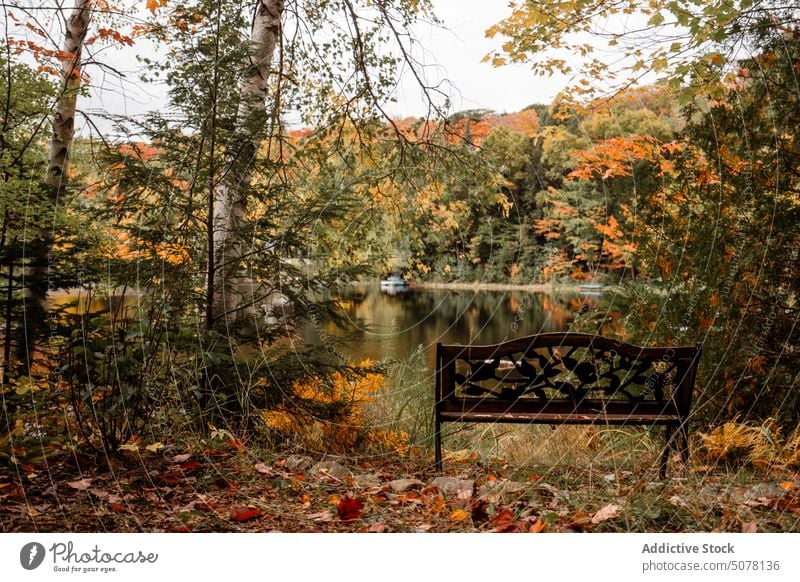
(392, 326)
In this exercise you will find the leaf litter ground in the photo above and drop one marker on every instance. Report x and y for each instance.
(246, 490)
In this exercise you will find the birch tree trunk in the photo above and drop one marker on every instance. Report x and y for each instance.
(230, 196)
(37, 280)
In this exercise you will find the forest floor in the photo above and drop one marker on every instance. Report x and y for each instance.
(233, 489)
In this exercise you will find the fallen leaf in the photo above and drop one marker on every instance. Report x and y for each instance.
(128, 447)
(99, 493)
(171, 477)
(436, 505)
(410, 497)
(787, 485)
(321, 516)
(349, 509)
(80, 484)
(180, 458)
(537, 526)
(189, 466)
(750, 527)
(263, 469)
(379, 527)
(580, 520)
(244, 513)
(504, 521)
(459, 515)
(155, 447)
(610, 511)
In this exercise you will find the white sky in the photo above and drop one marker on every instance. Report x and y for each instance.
(458, 48)
(452, 51)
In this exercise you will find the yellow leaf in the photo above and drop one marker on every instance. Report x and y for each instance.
(787, 485)
(459, 515)
(152, 5)
(155, 447)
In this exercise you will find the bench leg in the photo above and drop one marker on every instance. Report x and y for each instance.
(669, 435)
(437, 443)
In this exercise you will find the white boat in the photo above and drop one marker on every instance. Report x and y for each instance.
(394, 281)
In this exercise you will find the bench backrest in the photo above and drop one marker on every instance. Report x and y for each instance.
(571, 371)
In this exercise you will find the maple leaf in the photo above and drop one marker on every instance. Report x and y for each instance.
(152, 5)
(349, 508)
(244, 513)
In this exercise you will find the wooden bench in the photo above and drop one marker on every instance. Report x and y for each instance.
(567, 378)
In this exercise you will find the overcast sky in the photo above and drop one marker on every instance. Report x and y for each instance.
(458, 48)
(452, 51)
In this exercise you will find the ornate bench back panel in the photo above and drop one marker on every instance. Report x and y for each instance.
(569, 367)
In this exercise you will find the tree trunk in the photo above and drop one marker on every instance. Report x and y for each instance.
(38, 279)
(230, 196)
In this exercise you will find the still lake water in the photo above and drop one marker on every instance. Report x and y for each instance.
(392, 326)
(386, 326)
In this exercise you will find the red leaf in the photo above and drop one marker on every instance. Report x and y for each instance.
(171, 477)
(349, 509)
(504, 521)
(191, 466)
(244, 513)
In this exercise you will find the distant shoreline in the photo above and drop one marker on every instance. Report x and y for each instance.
(478, 286)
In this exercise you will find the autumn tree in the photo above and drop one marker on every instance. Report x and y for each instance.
(609, 46)
(716, 233)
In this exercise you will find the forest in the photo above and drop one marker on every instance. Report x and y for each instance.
(161, 273)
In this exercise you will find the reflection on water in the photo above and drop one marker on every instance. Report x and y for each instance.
(79, 301)
(392, 326)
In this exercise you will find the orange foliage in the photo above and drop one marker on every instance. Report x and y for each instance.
(525, 122)
(141, 151)
(615, 157)
(348, 430)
